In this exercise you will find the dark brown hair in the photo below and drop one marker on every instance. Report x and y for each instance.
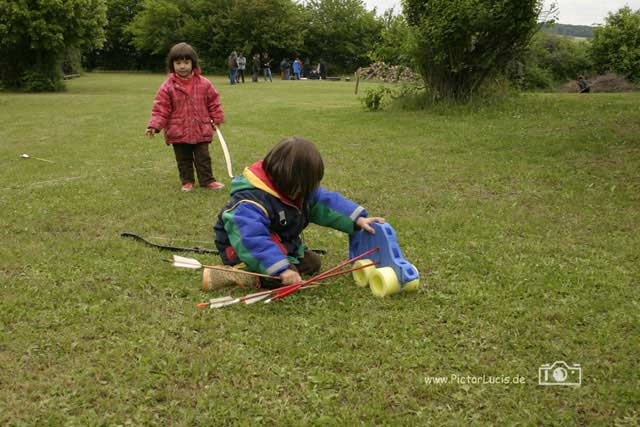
(182, 51)
(295, 167)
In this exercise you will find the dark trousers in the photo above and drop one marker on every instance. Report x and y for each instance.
(240, 76)
(190, 155)
(310, 264)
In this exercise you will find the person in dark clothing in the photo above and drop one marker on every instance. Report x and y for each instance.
(306, 68)
(284, 69)
(255, 68)
(233, 67)
(242, 63)
(322, 70)
(583, 85)
(266, 67)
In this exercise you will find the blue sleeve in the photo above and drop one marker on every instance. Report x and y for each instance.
(247, 226)
(332, 209)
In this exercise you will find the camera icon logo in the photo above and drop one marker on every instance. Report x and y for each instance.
(560, 373)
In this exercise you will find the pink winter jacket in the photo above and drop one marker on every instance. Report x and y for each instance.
(186, 119)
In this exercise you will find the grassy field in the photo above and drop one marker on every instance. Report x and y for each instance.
(522, 218)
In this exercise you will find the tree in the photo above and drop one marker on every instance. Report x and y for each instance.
(616, 45)
(341, 32)
(36, 34)
(459, 43)
(162, 23)
(274, 26)
(216, 27)
(396, 41)
(117, 52)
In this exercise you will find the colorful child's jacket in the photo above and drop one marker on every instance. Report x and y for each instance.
(261, 227)
(186, 118)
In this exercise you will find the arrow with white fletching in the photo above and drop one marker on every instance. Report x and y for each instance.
(194, 264)
(184, 262)
(251, 298)
(26, 156)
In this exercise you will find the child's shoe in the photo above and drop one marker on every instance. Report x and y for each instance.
(188, 186)
(215, 185)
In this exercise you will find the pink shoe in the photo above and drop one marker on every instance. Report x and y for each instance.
(215, 185)
(186, 187)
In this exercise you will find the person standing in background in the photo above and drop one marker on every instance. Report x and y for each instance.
(242, 63)
(297, 68)
(322, 70)
(284, 69)
(255, 68)
(233, 67)
(306, 68)
(266, 67)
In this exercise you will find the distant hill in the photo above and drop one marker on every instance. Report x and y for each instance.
(570, 30)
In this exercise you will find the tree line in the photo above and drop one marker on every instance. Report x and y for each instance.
(456, 46)
(66, 35)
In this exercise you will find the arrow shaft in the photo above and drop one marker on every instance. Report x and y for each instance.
(236, 270)
(284, 291)
(329, 273)
(340, 273)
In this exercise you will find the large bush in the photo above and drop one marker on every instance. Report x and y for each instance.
(460, 43)
(616, 45)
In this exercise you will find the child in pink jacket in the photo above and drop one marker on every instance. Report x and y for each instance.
(187, 106)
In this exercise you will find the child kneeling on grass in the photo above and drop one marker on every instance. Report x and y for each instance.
(187, 107)
(273, 202)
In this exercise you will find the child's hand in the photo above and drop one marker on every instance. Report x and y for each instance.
(289, 277)
(150, 132)
(363, 222)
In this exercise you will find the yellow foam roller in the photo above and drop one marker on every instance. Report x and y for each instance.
(384, 282)
(413, 285)
(363, 276)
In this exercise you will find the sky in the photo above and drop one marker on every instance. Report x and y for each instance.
(575, 12)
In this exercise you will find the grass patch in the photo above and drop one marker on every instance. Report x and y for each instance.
(522, 218)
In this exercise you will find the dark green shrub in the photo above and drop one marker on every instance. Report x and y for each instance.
(42, 81)
(375, 97)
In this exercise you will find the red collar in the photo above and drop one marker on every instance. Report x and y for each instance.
(258, 171)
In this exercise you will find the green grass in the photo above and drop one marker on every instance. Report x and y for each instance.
(522, 218)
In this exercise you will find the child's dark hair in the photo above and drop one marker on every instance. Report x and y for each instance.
(182, 51)
(295, 167)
